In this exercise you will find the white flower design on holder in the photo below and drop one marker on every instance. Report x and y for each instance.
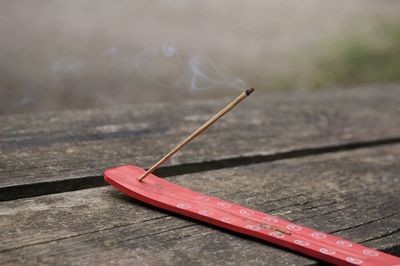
(246, 212)
(302, 242)
(227, 220)
(354, 260)
(224, 204)
(270, 219)
(343, 243)
(183, 206)
(253, 227)
(276, 234)
(294, 227)
(318, 235)
(205, 212)
(371, 252)
(327, 251)
(203, 198)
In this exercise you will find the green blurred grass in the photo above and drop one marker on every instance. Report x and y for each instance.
(359, 59)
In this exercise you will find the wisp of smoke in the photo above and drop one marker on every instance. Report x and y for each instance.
(168, 66)
(168, 49)
(206, 75)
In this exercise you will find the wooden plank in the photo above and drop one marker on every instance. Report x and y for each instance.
(81, 144)
(353, 194)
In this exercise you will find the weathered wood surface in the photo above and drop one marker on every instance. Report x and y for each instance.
(328, 160)
(353, 194)
(79, 145)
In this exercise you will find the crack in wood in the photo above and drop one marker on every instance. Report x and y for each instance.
(80, 183)
(382, 236)
(362, 224)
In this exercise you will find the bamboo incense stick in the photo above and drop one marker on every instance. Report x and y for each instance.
(206, 125)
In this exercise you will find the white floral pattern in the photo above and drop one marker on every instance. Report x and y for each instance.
(224, 204)
(294, 227)
(276, 234)
(318, 235)
(302, 242)
(205, 213)
(246, 212)
(354, 260)
(264, 226)
(270, 219)
(327, 251)
(344, 243)
(183, 206)
(371, 252)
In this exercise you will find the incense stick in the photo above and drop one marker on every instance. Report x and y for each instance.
(206, 125)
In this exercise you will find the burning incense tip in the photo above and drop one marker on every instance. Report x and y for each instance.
(198, 132)
(249, 91)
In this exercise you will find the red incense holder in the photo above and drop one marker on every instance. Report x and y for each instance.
(165, 195)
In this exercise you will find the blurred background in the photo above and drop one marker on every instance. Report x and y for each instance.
(57, 55)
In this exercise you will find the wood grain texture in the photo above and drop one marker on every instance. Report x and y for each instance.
(78, 144)
(353, 194)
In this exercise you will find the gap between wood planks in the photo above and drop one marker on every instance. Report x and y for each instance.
(52, 187)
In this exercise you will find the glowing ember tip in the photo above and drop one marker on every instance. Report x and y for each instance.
(249, 91)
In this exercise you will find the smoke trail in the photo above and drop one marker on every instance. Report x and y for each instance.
(168, 49)
(206, 75)
(167, 66)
